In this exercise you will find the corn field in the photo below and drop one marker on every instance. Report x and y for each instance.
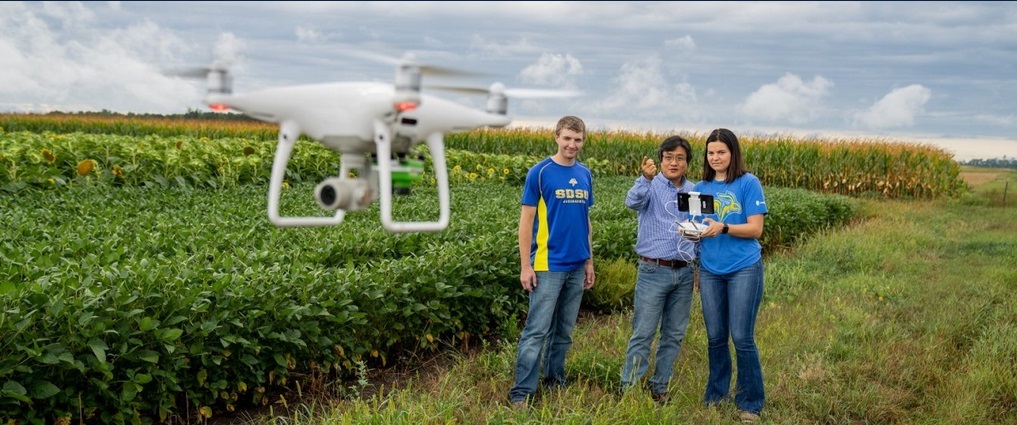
(57, 148)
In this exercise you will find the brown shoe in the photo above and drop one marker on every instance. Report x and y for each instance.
(661, 398)
(520, 405)
(748, 417)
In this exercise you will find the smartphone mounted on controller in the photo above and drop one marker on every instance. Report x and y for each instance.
(696, 204)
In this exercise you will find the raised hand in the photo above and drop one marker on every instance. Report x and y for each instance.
(649, 168)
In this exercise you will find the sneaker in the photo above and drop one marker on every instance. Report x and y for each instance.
(554, 384)
(661, 398)
(748, 417)
(519, 405)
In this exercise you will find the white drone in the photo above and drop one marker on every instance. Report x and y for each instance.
(360, 118)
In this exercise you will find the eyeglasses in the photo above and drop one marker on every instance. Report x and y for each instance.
(669, 158)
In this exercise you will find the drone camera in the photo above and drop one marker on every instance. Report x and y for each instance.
(329, 194)
(342, 194)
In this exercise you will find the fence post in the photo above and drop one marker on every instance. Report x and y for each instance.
(1006, 186)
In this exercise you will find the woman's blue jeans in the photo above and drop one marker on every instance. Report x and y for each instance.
(547, 336)
(663, 298)
(730, 304)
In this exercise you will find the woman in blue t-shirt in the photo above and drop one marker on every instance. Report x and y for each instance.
(731, 273)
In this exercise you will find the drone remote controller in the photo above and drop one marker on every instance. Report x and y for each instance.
(691, 229)
(696, 204)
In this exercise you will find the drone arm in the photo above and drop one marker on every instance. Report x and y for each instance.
(435, 142)
(289, 132)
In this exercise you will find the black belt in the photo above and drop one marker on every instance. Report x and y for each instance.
(674, 264)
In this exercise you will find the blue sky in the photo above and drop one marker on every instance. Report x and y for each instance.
(929, 72)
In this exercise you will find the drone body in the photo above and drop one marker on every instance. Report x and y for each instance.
(341, 115)
(374, 126)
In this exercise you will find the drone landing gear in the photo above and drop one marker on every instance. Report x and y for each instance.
(343, 193)
(289, 131)
(436, 145)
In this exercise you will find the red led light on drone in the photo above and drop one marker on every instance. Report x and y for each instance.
(218, 107)
(405, 106)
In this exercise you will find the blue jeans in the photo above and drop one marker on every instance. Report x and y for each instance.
(547, 336)
(730, 304)
(663, 297)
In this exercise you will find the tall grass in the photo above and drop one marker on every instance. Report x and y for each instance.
(992, 186)
(906, 317)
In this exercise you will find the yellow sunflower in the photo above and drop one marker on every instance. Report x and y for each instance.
(85, 167)
(48, 155)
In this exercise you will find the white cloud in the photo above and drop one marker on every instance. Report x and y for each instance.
(96, 55)
(997, 120)
(312, 35)
(229, 49)
(521, 46)
(789, 99)
(642, 88)
(896, 109)
(71, 15)
(682, 44)
(553, 69)
(57, 59)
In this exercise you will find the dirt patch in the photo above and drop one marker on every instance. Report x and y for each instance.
(421, 366)
(978, 179)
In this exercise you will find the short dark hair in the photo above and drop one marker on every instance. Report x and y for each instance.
(671, 143)
(736, 168)
(572, 123)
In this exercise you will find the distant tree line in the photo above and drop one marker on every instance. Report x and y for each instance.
(191, 114)
(993, 163)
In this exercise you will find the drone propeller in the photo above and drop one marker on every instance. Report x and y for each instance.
(498, 94)
(217, 80)
(218, 77)
(515, 93)
(193, 72)
(409, 60)
(408, 73)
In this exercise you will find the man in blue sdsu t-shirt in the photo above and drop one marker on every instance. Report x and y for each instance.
(555, 249)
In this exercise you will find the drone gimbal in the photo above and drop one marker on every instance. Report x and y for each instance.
(343, 193)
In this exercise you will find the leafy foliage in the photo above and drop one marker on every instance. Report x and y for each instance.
(134, 302)
(140, 281)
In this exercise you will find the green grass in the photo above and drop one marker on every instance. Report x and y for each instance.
(905, 317)
(991, 186)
